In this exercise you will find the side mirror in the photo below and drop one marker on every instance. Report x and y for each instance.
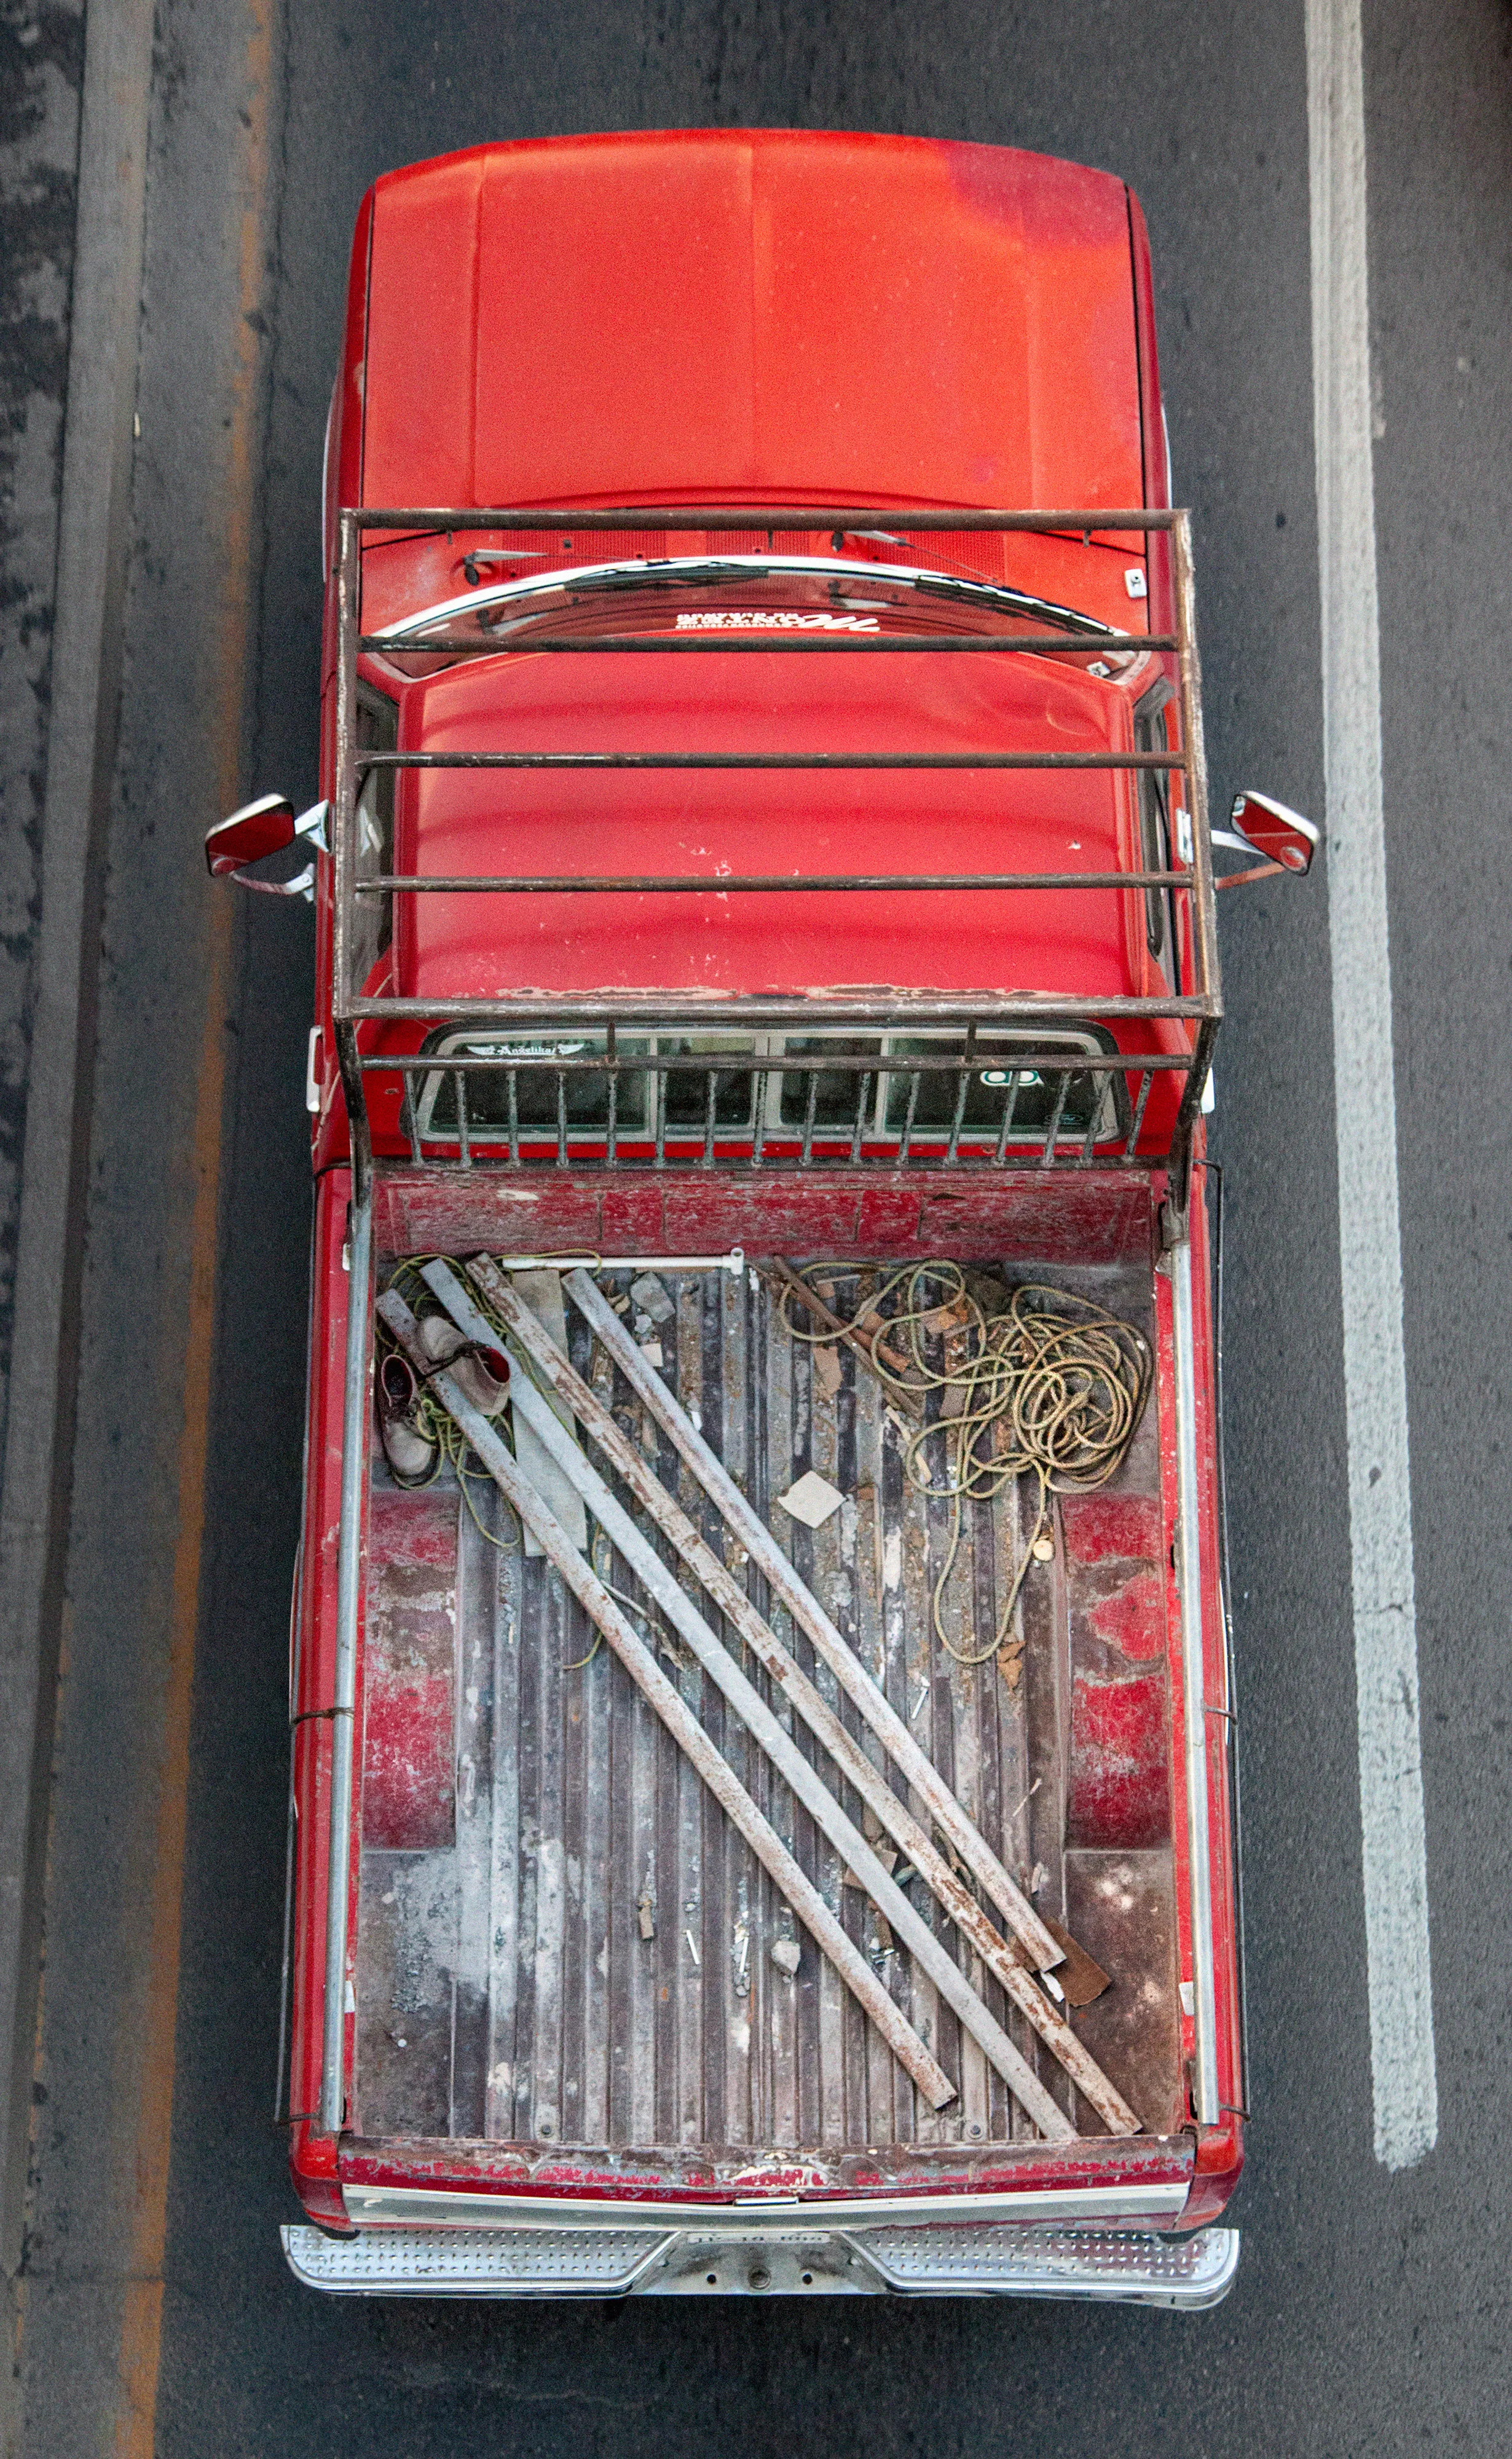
(258, 828)
(267, 826)
(1282, 838)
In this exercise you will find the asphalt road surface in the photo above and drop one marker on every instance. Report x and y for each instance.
(154, 2310)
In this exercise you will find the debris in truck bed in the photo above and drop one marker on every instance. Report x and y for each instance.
(812, 1499)
(649, 1294)
(862, 1335)
(1082, 1979)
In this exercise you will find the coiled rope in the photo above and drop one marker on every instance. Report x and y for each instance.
(1050, 1387)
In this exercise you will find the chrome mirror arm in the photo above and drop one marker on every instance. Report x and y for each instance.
(303, 884)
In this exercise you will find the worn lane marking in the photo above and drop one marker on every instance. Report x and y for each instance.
(141, 2316)
(1395, 1848)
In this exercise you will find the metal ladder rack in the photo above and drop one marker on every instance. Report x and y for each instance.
(694, 1126)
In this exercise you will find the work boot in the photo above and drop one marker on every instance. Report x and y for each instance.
(410, 1453)
(481, 1375)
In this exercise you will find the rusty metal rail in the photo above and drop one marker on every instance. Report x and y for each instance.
(662, 645)
(1195, 1001)
(711, 884)
(1044, 1951)
(551, 520)
(867, 1131)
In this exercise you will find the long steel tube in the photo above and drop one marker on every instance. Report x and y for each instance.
(760, 516)
(779, 760)
(678, 1717)
(798, 1772)
(870, 1783)
(714, 883)
(1031, 645)
(1194, 1692)
(807, 1612)
(888, 1010)
(343, 1707)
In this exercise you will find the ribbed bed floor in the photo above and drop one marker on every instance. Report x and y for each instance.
(526, 1819)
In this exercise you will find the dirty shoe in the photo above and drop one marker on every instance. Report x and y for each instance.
(410, 1453)
(481, 1375)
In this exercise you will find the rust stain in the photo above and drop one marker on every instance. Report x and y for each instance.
(141, 2320)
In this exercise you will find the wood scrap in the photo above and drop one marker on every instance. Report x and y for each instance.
(873, 1351)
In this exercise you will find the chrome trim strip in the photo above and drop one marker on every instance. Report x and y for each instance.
(708, 570)
(1105, 2265)
(423, 2206)
(348, 1601)
(1194, 1705)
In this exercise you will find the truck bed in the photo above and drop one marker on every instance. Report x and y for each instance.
(525, 1817)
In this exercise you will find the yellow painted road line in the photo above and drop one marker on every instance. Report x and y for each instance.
(141, 2318)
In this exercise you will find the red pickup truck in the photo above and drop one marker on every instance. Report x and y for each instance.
(761, 1809)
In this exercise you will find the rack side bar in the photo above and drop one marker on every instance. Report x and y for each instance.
(760, 516)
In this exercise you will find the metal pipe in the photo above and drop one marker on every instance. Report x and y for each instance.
(678, 1717)
(760, 516)
(807, 1613)
(343, 1707)
(869, 1781)
(1128, 1062)
(345, 800)
(1194, 1702)
(1037, 645)
(343, 832)
(781, 759)
(712, 884)
(1204, 910)
(801, 1777)
(890, 1011)
(592, 1261)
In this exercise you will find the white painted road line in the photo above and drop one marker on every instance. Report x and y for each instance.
(1396, 1867)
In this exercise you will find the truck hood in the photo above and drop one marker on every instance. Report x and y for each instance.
(740, 315)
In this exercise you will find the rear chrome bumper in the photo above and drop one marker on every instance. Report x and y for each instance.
(1112, 2265)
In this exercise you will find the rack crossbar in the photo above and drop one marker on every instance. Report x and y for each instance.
(779, 760)
(849, 518)
(712, 884)
(1036, 645)
(972, 1129)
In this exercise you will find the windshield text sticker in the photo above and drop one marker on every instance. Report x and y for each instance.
(741, 619)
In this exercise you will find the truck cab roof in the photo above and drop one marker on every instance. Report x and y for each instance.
(758, 822)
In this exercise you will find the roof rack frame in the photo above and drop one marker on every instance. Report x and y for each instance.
(889, 1010)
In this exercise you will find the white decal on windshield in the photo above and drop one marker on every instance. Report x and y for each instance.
(743, 618)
